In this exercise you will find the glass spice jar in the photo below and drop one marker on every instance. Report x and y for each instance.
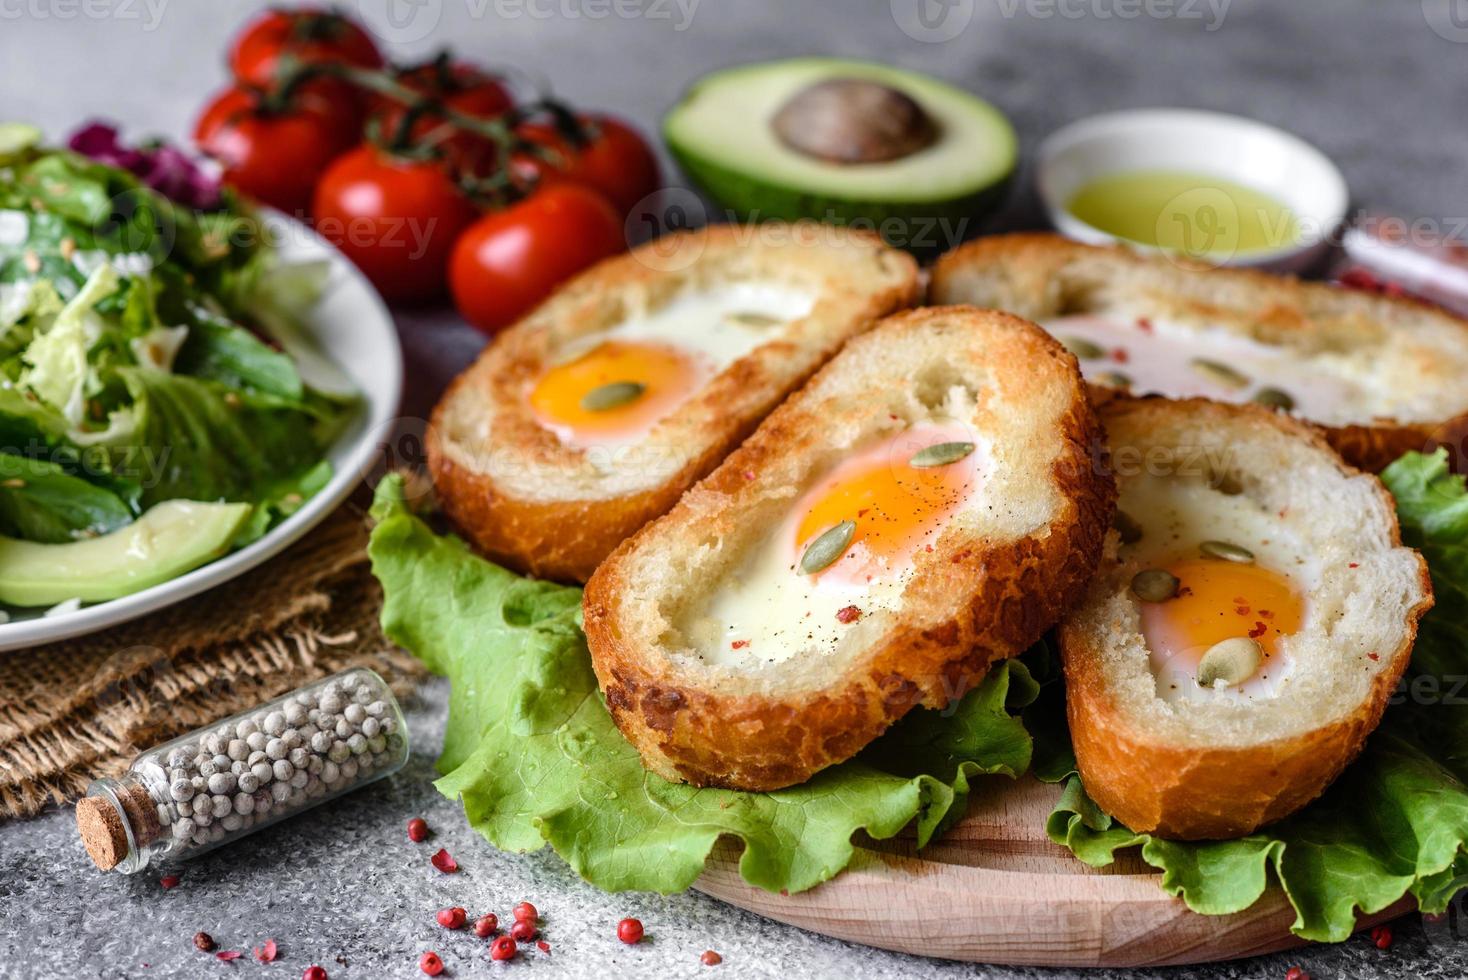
(231, 778)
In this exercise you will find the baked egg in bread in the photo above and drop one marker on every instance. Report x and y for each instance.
(927, 505)
(1251, 617)
(1381, 375)
(592, 415)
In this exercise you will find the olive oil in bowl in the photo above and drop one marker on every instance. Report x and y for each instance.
(1192, 213)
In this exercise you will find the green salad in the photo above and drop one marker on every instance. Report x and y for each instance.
(534, 756)
(146, 425)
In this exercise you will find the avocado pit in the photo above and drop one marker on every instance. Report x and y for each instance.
(853, 121)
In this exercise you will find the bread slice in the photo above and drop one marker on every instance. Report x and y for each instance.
(555, 509)
(832, 663)
(1381, 375)
(1170, 757)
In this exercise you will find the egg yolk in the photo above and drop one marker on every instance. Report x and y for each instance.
(1217, 600)
(897, 507)
(668, 377)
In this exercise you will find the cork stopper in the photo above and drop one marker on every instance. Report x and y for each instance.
(103, 835)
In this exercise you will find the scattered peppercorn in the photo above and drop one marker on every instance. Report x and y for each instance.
(486, 925)
(629, 931)
(314, 972)
(444, 861)
(266, 953)
(1381, 936)
(228, 955)
(204, 941)
(430, 964)
(543, 946)
(525, 912)
(1296, 973)
(452, 918)
(522, 931)
(417, 830)
(169, 881)
(710, 958)
(502, 948)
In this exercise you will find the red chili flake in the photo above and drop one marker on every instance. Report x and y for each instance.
(710, 958)
(228, 954)
(543, 946)
(1259, 630)
(1354, 564)
(749, 474)
(1242, 610)
(928, 548)
(1120, 356)
(444, 862)
(1240, 600)
(168, 881)
(739, 644)
(1184, 590)
(1266, 613)
(1381, 937)
(417, 830)
(848, 614)
(485, 925)
(1373, 656)
(266, 953)
(430, 964)
(502, 948)
(863, 512)
(1296, 973)
(1144, 324)
(629, 931)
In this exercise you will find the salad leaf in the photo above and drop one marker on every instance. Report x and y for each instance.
(58, 369)
(1396, 822)
(221, 351)
(41, 501)
(536, 759)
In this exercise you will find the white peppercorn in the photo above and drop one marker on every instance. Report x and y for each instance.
(231, 822)
(321, 742)
(222, 805)
(238, 768)
(279, 791)
(357, 744)
(354, 713)
(248, 782)
(237, 749)
(262, 772)
(300, 778)
(376, 744)
(210, 743)
(377, 709)
(256, 741)
(276, 749)
(222, 782)
(331, 702)
(343, 728)
(244, 802)
(349, 769)
(299, 756)
(371, 727)
(207, 768)
(283, 770)
(295, 713)
(339, 752)
(331, 772)
(246, 727)
(181, 789)
(221, 762)
(274, 723)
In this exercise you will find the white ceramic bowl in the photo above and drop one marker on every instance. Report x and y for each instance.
(352, 340)
(1242, 150)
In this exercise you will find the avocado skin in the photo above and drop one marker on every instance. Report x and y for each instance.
(937, 224)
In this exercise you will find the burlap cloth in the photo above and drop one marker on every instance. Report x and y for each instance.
(83, 708)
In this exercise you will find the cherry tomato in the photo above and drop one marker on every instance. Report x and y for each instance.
(510, 260)
(617, 161)
(459, 86)
(311, 35)
(274, 155)
(397, 219)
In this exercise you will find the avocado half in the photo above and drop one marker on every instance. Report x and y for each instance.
(721, 134)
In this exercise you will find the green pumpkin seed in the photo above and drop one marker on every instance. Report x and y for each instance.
(1219, 373)
(750, 318)
(1226, 551)
(1232, 661)
(1273, 398)
(827, 547)
(1115, 379)
(613, 395)
(1154, 585)
(1126, 525)
(1225, 482)
(1082, 348)
(941, 454)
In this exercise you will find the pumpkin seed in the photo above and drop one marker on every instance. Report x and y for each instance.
(827, 547)
(1226, 551)
(1232, 661)
(613, 395)
(1154, 585)
(1082, 348)
(1115, 379)
(1274, 398)
(940, 454)
(1220, 373)
(1126, 525)
(1225, 482)
(751, 318)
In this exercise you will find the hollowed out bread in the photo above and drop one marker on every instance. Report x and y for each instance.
(1216, 763)
(1405, 360)
(1001, 569)
(555, 510)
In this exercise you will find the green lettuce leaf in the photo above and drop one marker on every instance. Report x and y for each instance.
(535, 758)
(41, 501)
(1396, 822)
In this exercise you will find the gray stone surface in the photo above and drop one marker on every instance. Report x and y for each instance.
(1377, 85)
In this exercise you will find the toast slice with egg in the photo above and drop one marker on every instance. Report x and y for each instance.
(592, 415)
(1380, 375)
(927, 505)
(1251, 618)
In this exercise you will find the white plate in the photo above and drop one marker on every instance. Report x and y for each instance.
(354, 332)
(1193, 141)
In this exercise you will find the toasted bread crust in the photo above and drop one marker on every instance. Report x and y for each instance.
(566, 534)
(1019, 272)
(973, 603)
(1214, 792)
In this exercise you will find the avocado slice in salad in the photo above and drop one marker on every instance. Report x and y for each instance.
(842, 141)
(169, 539)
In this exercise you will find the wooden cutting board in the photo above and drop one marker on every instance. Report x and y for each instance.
(994, 889)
